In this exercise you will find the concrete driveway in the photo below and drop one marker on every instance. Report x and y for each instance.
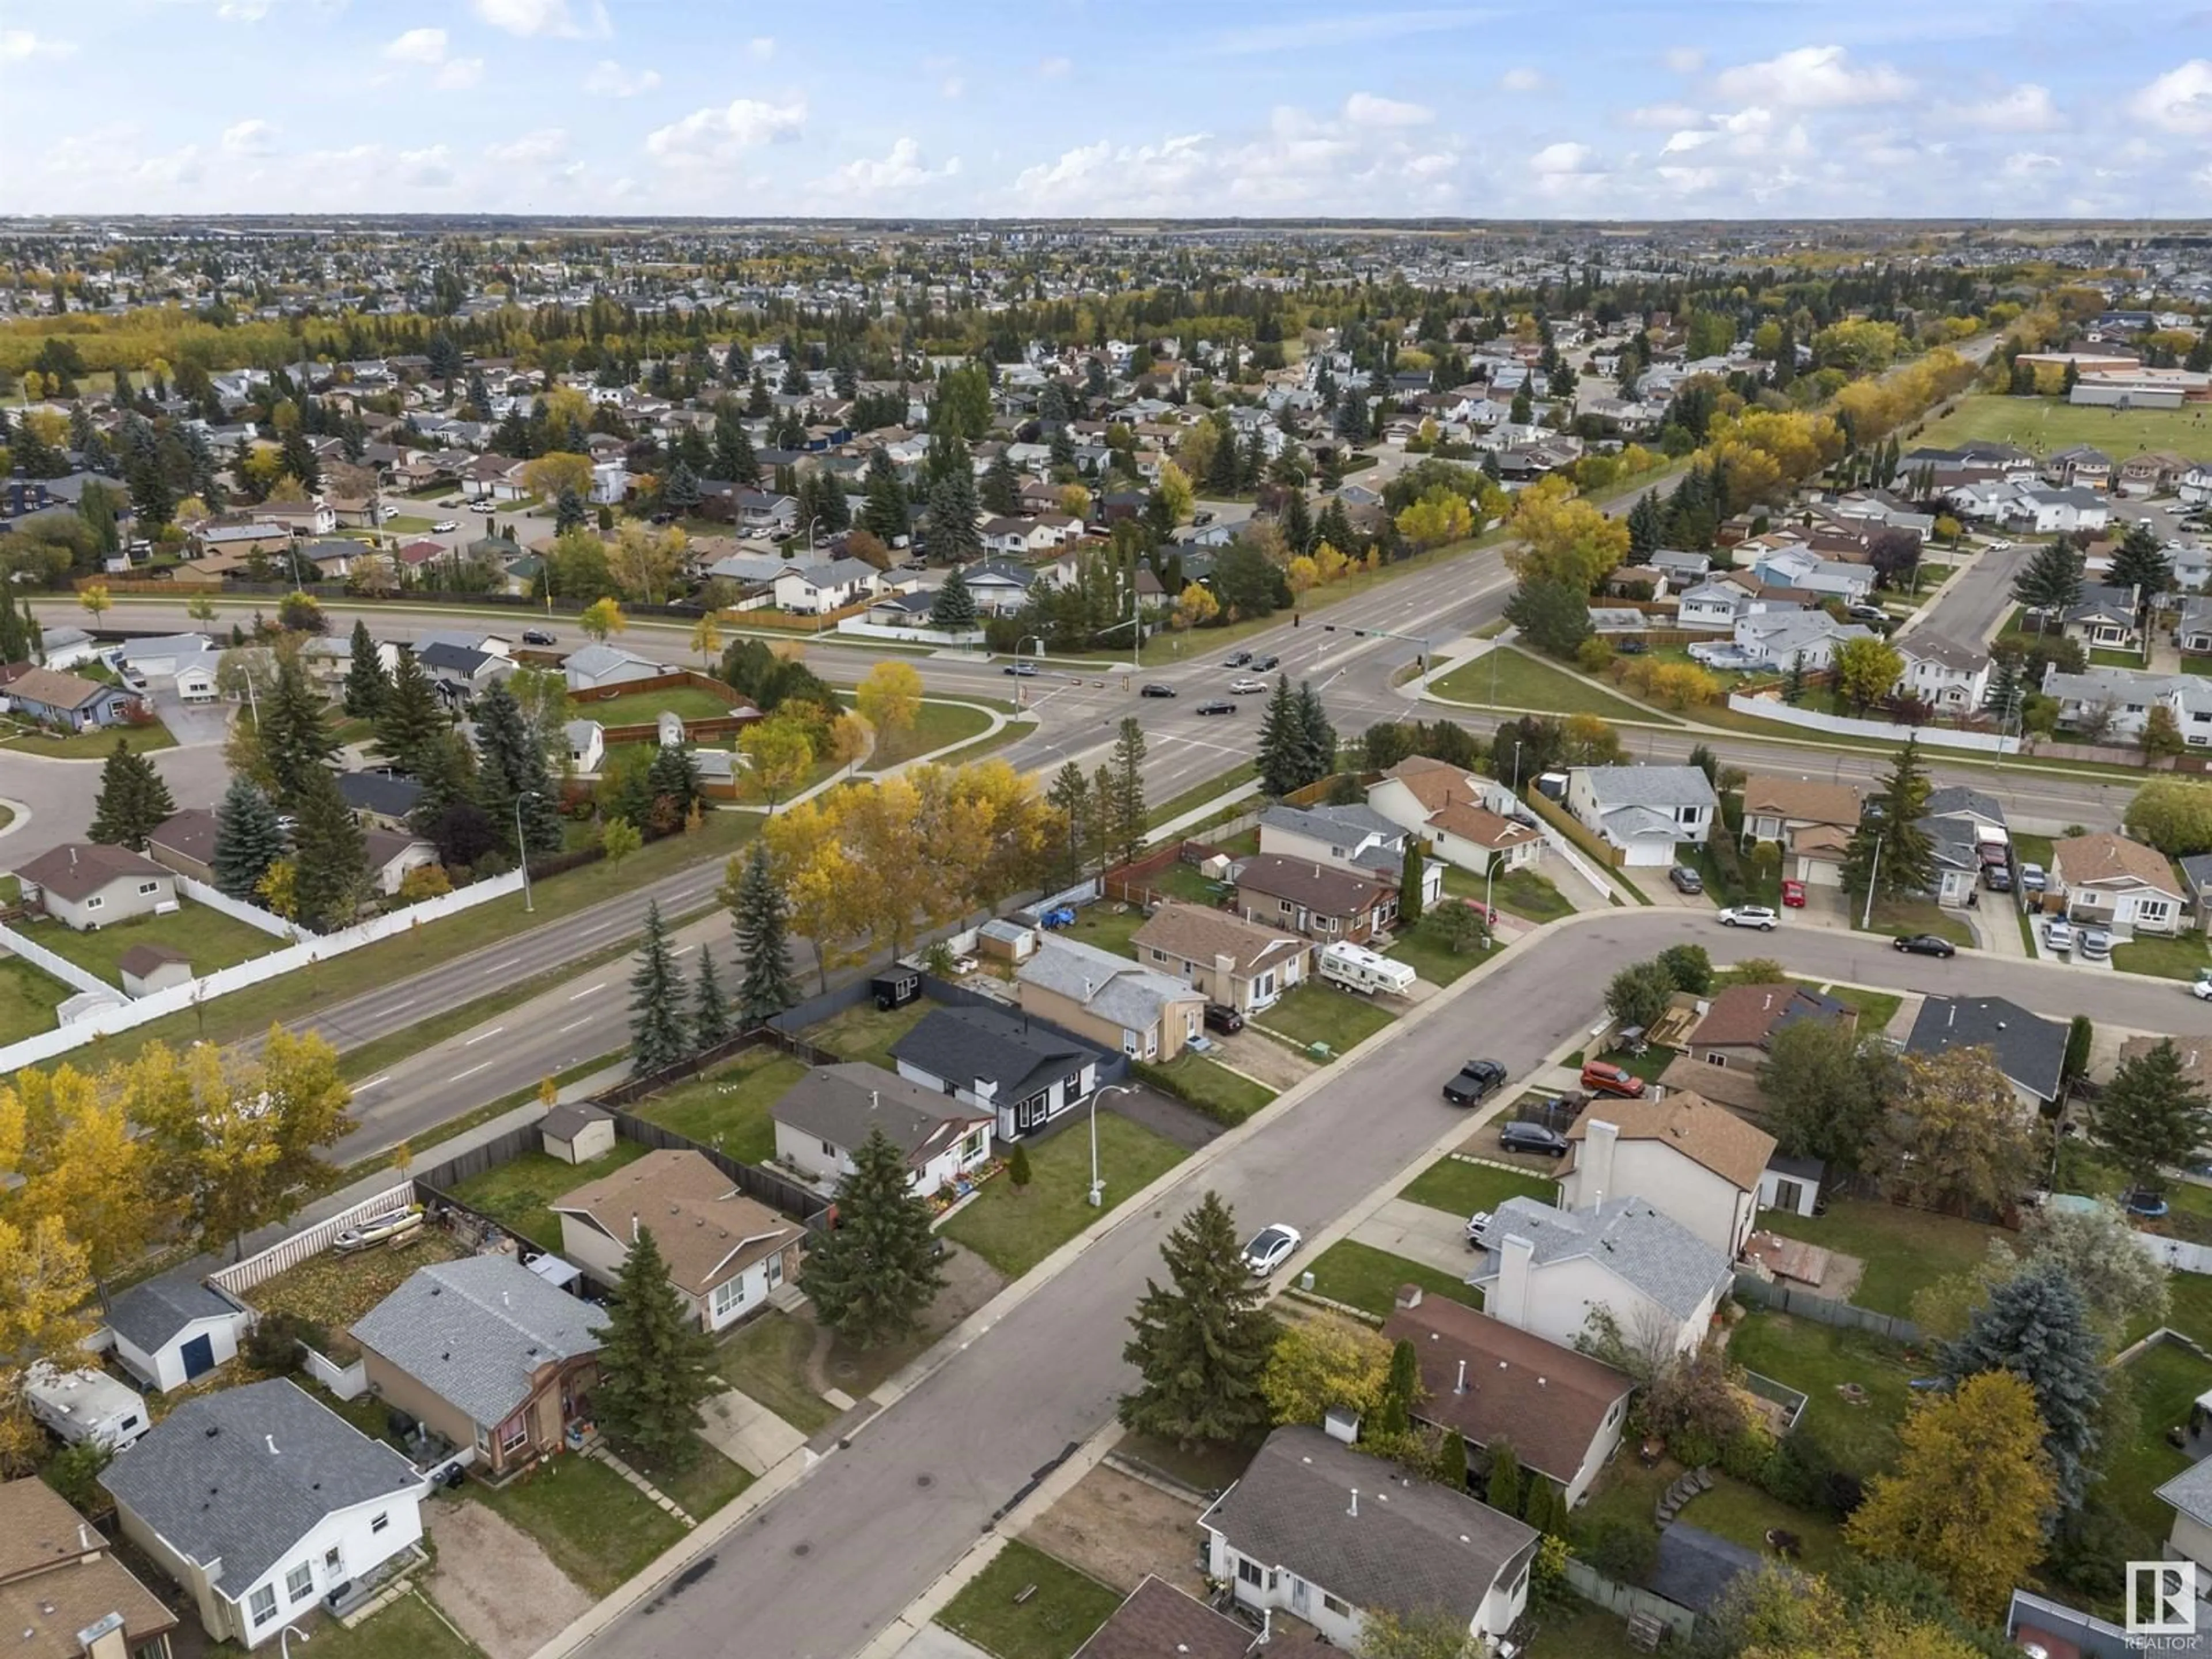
(192, 723)
(1435, 1238)
(748, 1433)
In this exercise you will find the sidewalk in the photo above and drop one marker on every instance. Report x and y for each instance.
(1199, 814)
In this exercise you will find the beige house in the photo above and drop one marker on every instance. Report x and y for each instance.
(1697, 1163)
(1810, 820)
(1454, 813)
(60, 1579)
(1240, 964)
(1110, 999)
(726, 1251)
(2107, 880)
(85, 885)
(185, 841)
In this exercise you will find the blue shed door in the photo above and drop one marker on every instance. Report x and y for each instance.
(199, 1355)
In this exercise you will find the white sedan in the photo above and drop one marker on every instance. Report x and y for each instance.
(1750, 915)
(445, 527)
(1271, 1247)
(1246, 686)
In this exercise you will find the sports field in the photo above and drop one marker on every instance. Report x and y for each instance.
(2043, 424)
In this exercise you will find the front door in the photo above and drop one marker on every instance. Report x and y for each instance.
(775, 1270)
(1298, 1597)
(199, 1355)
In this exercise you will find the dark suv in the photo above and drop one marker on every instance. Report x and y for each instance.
(1533, 1138)
(1477, 1080)
(1686, 879)
(1224, 1019)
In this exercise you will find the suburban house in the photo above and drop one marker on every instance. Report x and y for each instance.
(380, 801)
(2103, 617)
(63, 1594)
(1716, 603)
(461, 670)
(1021, 1070)
(2114, 704)
(599, 664)
(170, 1329)
(1232, 963)
(185, 843)
(1739, 1023)
(1941, 673)
(726, 1251)
(2197, 874)
(2107, 880)
(86, 885)
(1000, 588)
(1325, 1534)
(811, 589)
(486, 1353)
(2081, 465)
(1562, 1411)
(587, 741)
(1736, 1087)
(2030, 1050)
(258, 1500)
(1777, 639)
(2193, 626)
(1697, 1162)
(1800, 567)
(1958, 822)
(1160, 1621)
(71, 701)
(2190, 1538)
(824, 1116)
(1647, 811)
(1355, 839)
(1547, 1270)
(390, 854)
(1308, 897)
(1109, 999)
(1812, 820)
(1451, 811)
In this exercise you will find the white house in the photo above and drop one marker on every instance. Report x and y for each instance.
(257, 1500)
(1355, 839)
(1940, 672)
(601, 665)
(1547, 1270)
(1776, 639)
(829, 585)
(587, 743)
(1647, 811)
(610, 482)
(2195, 486)
(824, 1116)
(2107, 880)
(1698, 1162)
(1715, 603)
(1000, 588)
(2116, 703)
(1455, 812)
(2049, 512)
(168, 1330)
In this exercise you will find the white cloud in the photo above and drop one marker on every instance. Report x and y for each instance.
(1522, 80)
(761, 47)
(1364, 109)
(1564, 158)
(253, 137)
(609, 79)
(1343, 31)
(459, 74)
(538, 149)
(719, 135)
(2180, 100)
(2026, 108)
(244, 11)
(1101, 174)
(1056, 69)
(1684, 60)
(418, 47)
(532, 17)
(1664, 117)
(2030, 164)
(21, 45)
(427, 169)
(1812, 77)
(953, 87)
(903, 169)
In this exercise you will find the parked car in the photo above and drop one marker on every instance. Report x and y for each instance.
(1222, 1018)
(1478, 1230)
(2095, 945)
(1154, 689)
(1271, 1247)
(1865, 613)
(1792, 893)
(2201, 987)
(1603, 1077)
(1926, 945)
(1686, 879)
(2032, 878)
(1477, 1080)
(1261, 664)
(1998, 544)
(445, 527)
(1750, 915)
(1631, 647)
(1996, 878)
(538, 636)
(1026, 670)
(1219, 706)
(1237, 659)
(2058, 935)
(1533, 1138)
(1245, 686)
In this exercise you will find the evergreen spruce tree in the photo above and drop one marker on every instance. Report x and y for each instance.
(657, 1036)
(1793, 682)
(247, 839)
(132, 800)
(569, 512)
(953, 537)
(1316, 735)
(1298, 523)
(954, 607)
(679, 488)
(1503, 1493)
(330, 857)
(1451, 1461)
(511, 769)
(2151, 1116)
(884, 513)
(761, 920)
(2034, 1325)
(296, 737)
(2141, 564)
(831, 505)
(366, 684)
(1394, 1417)
(674, 775)
(2049, 582)
(1647, 529)
(1282, 743)
(710, 1009)
(1127, 768)
(14, 634)
(411, 720)
(1891, 848)
(1410, 878)
(1001, 490)
(656, 1365)
(872, 1275)
(1201, 1343)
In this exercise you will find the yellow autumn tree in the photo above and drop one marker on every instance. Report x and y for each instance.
(781, 751)
(1195, 606)
(1564, 538)
(1319, 1363)
(82, 1166)
(556, 471)
(890, 700)
(1441, 515)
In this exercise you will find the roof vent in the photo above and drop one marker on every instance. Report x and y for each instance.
(271, 1439)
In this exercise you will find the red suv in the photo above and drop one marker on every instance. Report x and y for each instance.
(1603, 1077)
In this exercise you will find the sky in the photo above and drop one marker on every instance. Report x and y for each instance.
(1075, 108)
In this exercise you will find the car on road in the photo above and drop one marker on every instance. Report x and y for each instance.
(1217, 706)
(1750, 915)
(1998, 544)
(1245, 686)
(1478, 1230)
(1476, 1079)
(1925, 944)
(1154, 689)
(538, 636)
(1237, 659)
(2032, 878)
(914, 564)
(1223, 1018)
(1686, 879)
(2095, 945)
(1262, 665)
(1202, 518)
(445, 527)
(1271, 1247)
(1533, 1138)
(2201, 987)
(1603, 1077)
(1865, 613)
(2058, 935)
(1026, 670)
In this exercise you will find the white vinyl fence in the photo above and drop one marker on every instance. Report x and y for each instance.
(1935, 736)
(237, 910)
(948, 636)
(59, 966)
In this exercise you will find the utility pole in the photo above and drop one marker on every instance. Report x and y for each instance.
(1874, 874)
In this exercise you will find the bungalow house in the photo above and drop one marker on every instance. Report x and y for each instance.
(1024, 1071)
(824, 1116)
(1736, 1087)
(1449, 809)
(1283, 1538)
(168, 1330)
(758, 513)
(1647, 811)
(1158, 1621)
(1109, 999)
(185, 843)
(380, 801)
(810, 590)
(63, 1594)
(2114, 704)
(258, 1500)
(597, 666)
(2196, 876)
(2029, 1049)
(727, 1252)
(1696, 1162)
(1547, 1270)
(1777, 639)
(1308, 897)
(64, 648)
(2107, 880)
(495, 479)
(1800, 567)
(1682, 570)
(1561, 1412)
(1232, 963)
(1025, 538)
(1812, 823)
(1355, 839)
(2103, 617)
(69, 702)
(2192, 628)
(390, 854)
(488, 1354)
(86, 885)
(902, 609)
(1738, 1024)
(1000, 588)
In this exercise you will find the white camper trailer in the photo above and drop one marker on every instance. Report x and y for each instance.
(1355, 967)
(79, 1406)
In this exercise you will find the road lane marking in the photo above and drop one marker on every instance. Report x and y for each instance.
(574, 1024)
(472, 1072)
(509, 963)
(588, 991)
(483, 1036)
(395, 1007)
(381, 1077)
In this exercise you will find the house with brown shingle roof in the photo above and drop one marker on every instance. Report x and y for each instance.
(1693, 1161)
(86, 884)
(1562, 1411)
(1159, 1621)
(1456, 812)
(2106, 880)
(60, 1579)
(1240, 964)
(1307, 897)
(1736, 1087)
(1811, 820)
(1741, 1020)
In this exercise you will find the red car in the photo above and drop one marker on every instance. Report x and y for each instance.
(1793, 895)
(1603, 1077)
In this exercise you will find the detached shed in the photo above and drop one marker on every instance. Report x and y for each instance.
(1792, 1184)
(1007, 941)
(576, 1133)
(168, 1330)
(147, 969)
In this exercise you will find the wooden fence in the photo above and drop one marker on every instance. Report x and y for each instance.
(1822, 1309)
(1567, 824)
(242, 1276)
(1626, 1600)
(675, 679)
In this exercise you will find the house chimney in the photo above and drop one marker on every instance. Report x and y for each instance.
(84, 1539)
(104, 1638)
(1516, 1256)
(1594, 1162)
(271, 1439)
(875, 1099)
(633, 1226)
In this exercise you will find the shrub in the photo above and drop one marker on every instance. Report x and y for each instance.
(1624, 1550)
(1746, 1454)
(74, 1472)
(273, 1345)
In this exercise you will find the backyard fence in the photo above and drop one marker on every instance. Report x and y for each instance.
(1625, 1601)
(1790, 1402)
(1938, 737)
(52, 962)
(2177, 1254)
(1823, 1309)
(242, 1276)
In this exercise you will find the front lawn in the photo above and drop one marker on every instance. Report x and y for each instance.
(1360, 1276)
(211, 938)
(1875, 1009)
(937, 725)
(765, 1359)
(408, 1628)
(1505, 678)
(595, 1526)
(1014, 1227)
(1898, 916)
(29, 997)
(728, 1108)
(1314, 1012)
(2163, 958)
(701, 1486)
(519, 1194)
(1817, 1360)
(1531, 896)
(2167, 1378)
(643, 708)
(95, 745)
(1027, 1605)
(1904, 1250)
(1224, 1095)
(1437, 963)
(866, 1032)
(1456, 1185)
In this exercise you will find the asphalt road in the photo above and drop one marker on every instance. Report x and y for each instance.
(1972, 606)
(823, 1569)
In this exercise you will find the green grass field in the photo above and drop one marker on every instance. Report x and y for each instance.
(1062, 1608)
(519, 1193)
(1360, 1276)
(641, 708)
(1014, 1227)
(2044, 424)
(866, 1032)
(1222, 1094)
(2166, 1379)
(93, 746)
(29, 997)
(1904, 1250)
(938, 725)
(1525, 682)
(211, 938)
(1461, 1187)
(1316, 1012)
(728, 1106)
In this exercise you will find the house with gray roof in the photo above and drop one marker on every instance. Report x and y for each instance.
(1109, 999)
(172, 1328)
(819, 585)
(600, 665)
(822, 1118)
(1023, 1071)
(1331, 1536)
(2114, 704)
(486, 1353)
(1647, 811)
(1355, 838)
(1547, 1270)
(2189, 1495)
(2029, 1049)
(259, 1500)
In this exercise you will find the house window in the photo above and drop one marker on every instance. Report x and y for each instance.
(729, 1296)
(1249, 1571)
(263, 1605)
(380, 1523)
(1336, 1605)
(1716, 1058)
(828, 1150)
(299, 1582)
(93, 903)
(514, 1432)
(149, 887)
(1325, 924)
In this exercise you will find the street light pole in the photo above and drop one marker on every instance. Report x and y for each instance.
(1874, 871)
(1099, 1187)
(522, 853)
